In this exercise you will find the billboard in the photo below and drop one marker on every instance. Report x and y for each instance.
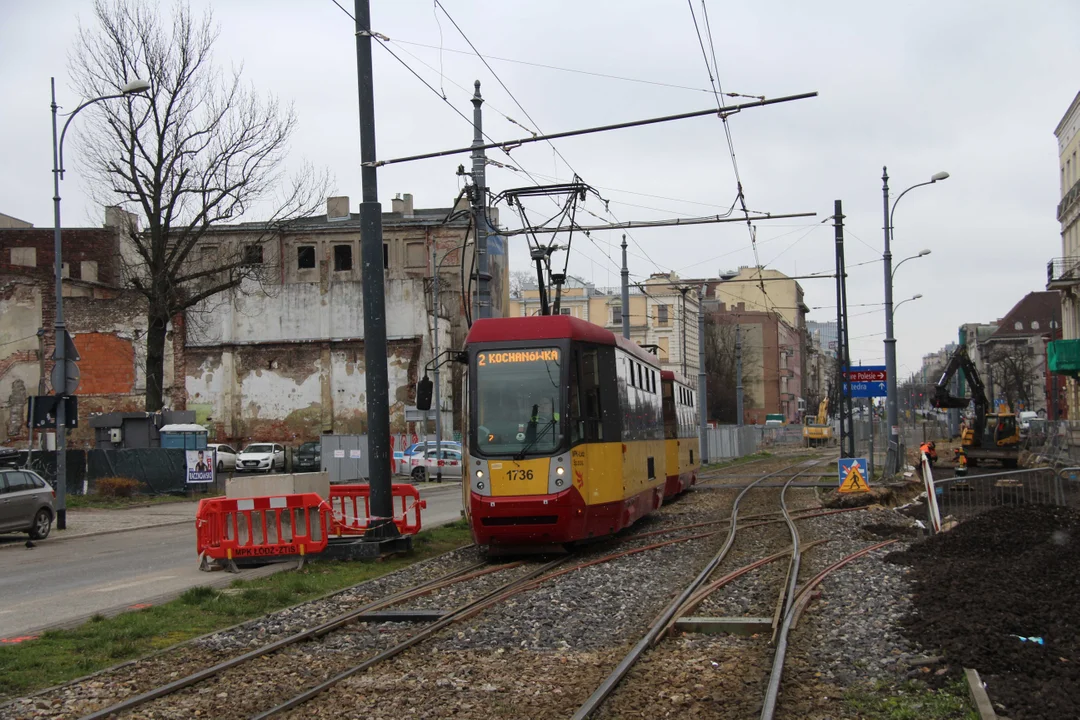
(200, 466)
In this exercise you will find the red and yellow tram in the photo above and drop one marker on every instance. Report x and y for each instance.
(566, 433)
(682, 450)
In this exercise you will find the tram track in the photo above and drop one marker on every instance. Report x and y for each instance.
(689, 596)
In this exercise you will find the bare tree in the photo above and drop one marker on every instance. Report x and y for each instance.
(1016, 375)
(200, 150)
(521, 281)
(720, 370)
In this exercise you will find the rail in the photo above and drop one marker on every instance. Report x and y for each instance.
(593, 703)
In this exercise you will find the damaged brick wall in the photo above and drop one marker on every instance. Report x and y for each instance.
(294, 392)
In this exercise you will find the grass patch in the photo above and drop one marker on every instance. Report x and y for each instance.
(61, 655)
(912, 700)
(100, 502)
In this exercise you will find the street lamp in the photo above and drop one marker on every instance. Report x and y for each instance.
(135, 87)
(893, 456)
(913, 297)
(922, 253)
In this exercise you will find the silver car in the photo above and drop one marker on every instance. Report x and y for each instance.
(26, 503)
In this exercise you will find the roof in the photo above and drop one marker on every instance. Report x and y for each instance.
(421, 217)
(181, 428)
(1031, 316)
(1073, 106)
(551, 327)
(672, 375)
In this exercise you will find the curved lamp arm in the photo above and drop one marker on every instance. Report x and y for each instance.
(135, 87)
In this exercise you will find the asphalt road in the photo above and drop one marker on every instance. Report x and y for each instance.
(62, 582)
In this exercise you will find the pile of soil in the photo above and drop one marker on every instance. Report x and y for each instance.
(1008, 574)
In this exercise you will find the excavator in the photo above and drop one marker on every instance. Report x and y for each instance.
(817, 430)
(991, 436)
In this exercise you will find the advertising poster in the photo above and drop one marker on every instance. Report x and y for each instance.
(200, 466)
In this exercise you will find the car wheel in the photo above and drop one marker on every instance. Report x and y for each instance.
(418, 474)
(42, 525)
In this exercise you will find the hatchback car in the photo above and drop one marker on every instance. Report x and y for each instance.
(447, 461)
(308, 457)
(261, 457)
(26, 503)
(226, 456)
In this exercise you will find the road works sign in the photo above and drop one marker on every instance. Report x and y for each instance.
(867, 381)
(853, 474)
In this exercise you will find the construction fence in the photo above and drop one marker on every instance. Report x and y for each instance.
(966, 496)
(160, 471)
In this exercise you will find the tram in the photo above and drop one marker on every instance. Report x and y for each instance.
(565, 434)
(682, 451)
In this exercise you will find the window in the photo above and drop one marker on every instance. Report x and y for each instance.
(663, 344)
(253, 255)
(414, 255)
(1034, 324)
(564, 311)
(305, 257)
(386, 256)
(633, 376)
(342, 258)
(616, 314)
(17, 482)
(1018, 325)
(662, 315)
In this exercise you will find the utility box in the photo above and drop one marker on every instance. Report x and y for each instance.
(345, 458)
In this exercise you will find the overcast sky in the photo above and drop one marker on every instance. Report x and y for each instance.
(974, 88)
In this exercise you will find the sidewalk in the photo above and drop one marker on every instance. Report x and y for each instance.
(85, 522)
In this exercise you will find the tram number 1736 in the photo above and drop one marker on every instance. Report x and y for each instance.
(519, 474)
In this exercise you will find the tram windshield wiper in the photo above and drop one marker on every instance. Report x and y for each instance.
(520, 455)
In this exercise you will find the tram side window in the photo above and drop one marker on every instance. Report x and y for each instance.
(590, 393)
(577, 423)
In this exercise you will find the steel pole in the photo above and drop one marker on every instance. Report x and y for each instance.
(893, 451)
(59, 334)
(435, 344)
(703, 412)
(738, 377)
(371, 239)
(480, 220)
(625, 292)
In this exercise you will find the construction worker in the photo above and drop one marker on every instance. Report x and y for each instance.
(928, 449)
(961, 462)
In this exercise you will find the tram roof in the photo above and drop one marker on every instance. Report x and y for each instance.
(552, 327)
(672, 375)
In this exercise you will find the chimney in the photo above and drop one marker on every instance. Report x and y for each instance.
(397, 205)
(120, 219)
(407, 200)
(337, 208)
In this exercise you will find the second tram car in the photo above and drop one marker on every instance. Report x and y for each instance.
(683, 447)
(566, 434)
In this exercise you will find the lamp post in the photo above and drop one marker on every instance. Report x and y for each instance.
(922, 253)
(913, 297)
(135, 87)
(892, 458)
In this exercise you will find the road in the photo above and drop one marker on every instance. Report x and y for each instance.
(62, 582)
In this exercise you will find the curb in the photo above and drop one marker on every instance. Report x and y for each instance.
(57, 538)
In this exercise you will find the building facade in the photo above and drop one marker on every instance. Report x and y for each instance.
(1063, 273)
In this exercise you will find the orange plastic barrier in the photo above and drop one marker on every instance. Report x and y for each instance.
(243, 528)
(351, 507)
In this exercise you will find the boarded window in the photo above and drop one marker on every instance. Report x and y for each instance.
(305, 257)
(414, 255)
(342, 258)
(664, 349)
(565, 311)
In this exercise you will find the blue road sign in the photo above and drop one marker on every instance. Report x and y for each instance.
(867, 389)
(843, 466)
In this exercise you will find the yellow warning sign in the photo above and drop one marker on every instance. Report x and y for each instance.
(854, 482)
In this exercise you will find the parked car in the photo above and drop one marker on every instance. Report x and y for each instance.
(430, 463)
(261, 457)
(1025, 419)
(420, 446)
(308, 457)
(26, 503)
(226, 456)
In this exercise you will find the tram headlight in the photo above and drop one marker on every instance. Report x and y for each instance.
(479, 486)
(479, 473)
(558, 483)
(559, 471)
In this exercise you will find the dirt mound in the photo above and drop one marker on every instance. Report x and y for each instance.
(1008, 574)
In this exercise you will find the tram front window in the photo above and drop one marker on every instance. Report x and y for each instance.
(517, 408)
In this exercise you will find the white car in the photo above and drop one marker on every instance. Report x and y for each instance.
(429, 466)
(261, 457)
(226, 456)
